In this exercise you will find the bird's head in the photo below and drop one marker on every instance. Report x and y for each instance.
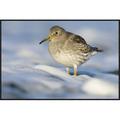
(55, 33)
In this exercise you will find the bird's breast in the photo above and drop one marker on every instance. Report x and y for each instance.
(67, 57)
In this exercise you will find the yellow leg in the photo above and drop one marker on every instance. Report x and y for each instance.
(68, 70)
(75, 70)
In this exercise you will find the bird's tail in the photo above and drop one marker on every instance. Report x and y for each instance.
(97, 49)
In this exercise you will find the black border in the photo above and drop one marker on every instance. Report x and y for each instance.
(118, 20)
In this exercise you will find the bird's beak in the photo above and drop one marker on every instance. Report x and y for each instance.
(46, 39)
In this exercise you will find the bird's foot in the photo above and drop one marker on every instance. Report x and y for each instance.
(68, 70)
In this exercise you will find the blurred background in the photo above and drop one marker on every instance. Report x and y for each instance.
(20, 48)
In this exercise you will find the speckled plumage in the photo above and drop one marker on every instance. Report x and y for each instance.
(68, 48)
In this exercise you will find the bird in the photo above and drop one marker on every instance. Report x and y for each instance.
(68, 48)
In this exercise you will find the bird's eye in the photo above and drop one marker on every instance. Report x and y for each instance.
(56, 33)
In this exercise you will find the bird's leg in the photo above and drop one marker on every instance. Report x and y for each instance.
(75, 70)
(68, 70)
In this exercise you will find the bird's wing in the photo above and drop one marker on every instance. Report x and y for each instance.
(76, 38)
(79, 43)
(79, 39)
